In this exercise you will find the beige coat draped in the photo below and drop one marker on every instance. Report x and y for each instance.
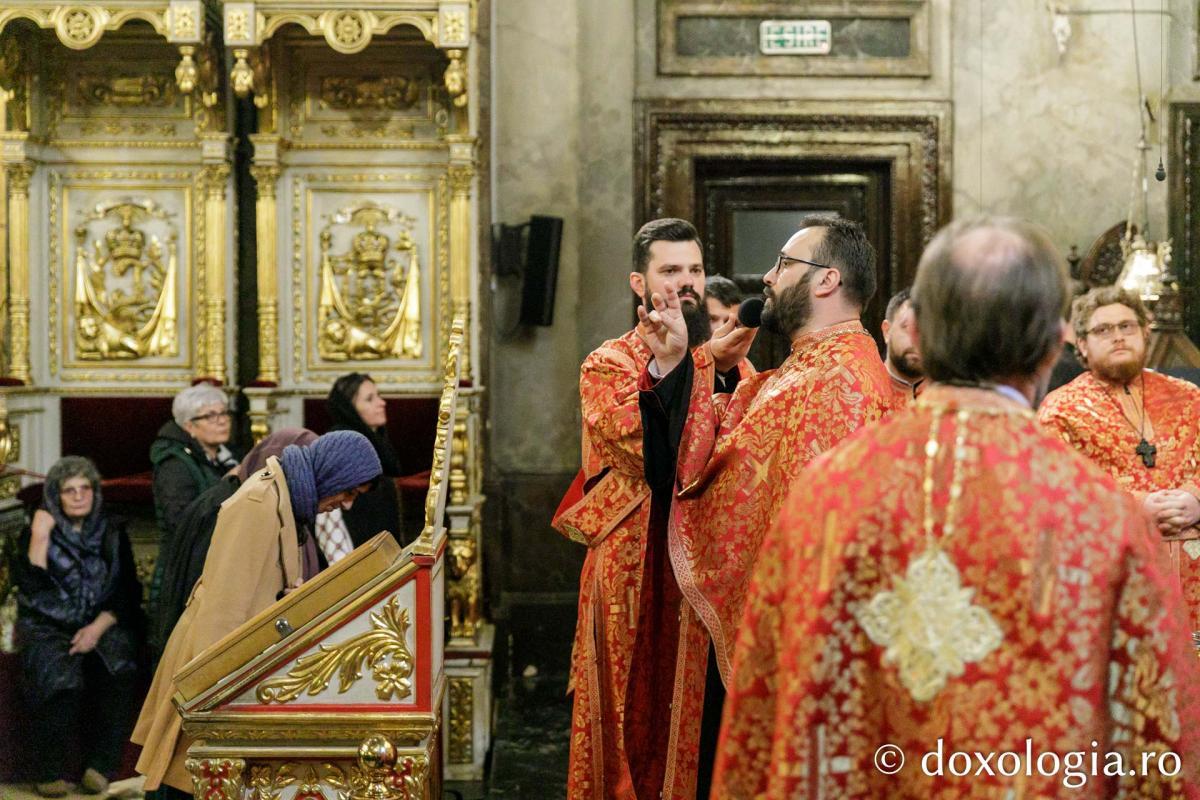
(254, 556)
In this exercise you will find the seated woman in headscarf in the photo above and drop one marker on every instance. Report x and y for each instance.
(182, 556)
(79, 622)
(356, 405)
(254, 559)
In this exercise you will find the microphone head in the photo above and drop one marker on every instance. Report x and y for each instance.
(750, 312)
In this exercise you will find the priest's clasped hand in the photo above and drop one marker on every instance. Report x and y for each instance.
(663, 329)
(1172, 510)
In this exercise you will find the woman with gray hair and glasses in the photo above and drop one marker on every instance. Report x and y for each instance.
(79, 620)
(189, 456)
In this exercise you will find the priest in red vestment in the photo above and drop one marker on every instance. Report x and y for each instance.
(633, 651)
(739, 452)
(1140, 427)
(902, 356)
(954, 604)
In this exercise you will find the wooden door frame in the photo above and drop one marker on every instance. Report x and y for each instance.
(914, 138)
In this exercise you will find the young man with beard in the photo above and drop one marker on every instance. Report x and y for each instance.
(903, 359)
(740, 452)
(624, 666)
(1141, 427)
(954, 582)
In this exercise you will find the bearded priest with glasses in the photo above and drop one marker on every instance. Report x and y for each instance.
(739, 451)
(1139, 426)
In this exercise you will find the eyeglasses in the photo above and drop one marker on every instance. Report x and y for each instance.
(76, 491)
(211, 416)
(1106, 330)
(784, 261)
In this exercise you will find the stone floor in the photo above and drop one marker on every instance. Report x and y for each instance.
(122, 790)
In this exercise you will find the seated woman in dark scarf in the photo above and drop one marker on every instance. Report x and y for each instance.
(79, 622)
(255, 557)
(356, 405)
(183, 555)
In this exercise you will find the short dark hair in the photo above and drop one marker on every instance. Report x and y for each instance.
(723, 290)
(667, 229)
(845, 246)
(991, 308)
(898, 299)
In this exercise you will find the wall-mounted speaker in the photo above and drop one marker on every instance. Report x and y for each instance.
(541, 270)
(531, 251)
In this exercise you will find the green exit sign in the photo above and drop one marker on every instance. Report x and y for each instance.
(792, 37)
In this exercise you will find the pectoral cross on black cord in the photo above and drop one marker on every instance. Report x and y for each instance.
(1145, 449)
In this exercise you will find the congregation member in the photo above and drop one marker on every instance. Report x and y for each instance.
(902, 357)
(1139, 426)
(629, 637)
(256, 556)
(79, 624)
(722, 298)
(739, 452)
(189, 454)
(956, 581)
(183, 556)
(355, 404)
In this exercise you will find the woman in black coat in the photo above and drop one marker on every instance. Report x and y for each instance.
(356, 405)
(79, 624)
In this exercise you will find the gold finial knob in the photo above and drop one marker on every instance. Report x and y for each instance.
(377, 758)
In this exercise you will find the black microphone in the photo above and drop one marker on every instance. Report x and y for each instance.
(750, 312)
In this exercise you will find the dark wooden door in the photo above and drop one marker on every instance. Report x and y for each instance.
(747, 209)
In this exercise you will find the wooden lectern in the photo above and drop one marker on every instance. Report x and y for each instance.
(335, 692)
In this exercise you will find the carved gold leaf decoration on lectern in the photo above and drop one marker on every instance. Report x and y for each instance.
(370, 306)
(384, 649)
(125, 282)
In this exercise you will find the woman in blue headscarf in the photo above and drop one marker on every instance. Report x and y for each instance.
(254, 559)
(79, 620)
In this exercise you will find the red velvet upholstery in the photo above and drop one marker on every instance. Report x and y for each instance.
(412, 426)
(115, 432)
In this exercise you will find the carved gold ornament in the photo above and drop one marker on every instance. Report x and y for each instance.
(185, 23)
(348, 31)
(384, 649)
(79, 27)
(216, 778)
(461, 744)
(372, 93)
(126, 91)
(456, 26)
(186, 73)
(125, 283)
(237, 25)
(241, 77)
(455, 78)
(370, 303)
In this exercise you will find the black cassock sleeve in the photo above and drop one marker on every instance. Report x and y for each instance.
(664, 412)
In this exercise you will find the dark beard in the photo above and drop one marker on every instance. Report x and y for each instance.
(903, 368)
(695, 317)
(788, 312)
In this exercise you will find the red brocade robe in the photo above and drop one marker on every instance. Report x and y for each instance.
(1033, 608)
(609, 510)
(1088, 418)
(740, 453)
